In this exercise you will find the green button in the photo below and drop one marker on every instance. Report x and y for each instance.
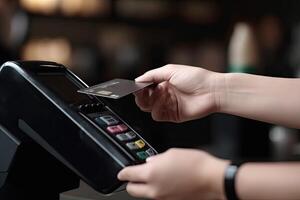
(142, 155)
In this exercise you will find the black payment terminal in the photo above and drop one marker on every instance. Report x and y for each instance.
(40, 100)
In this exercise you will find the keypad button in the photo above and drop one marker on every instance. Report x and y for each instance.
(113, 129)
(140, 143)
(122, 137)
(117, 128)
(131, 135)
(109, 120)
(122, 127)
(100, 121)
(84, 108)
(80, 107)
(150, 152)
(142, 155)
(132, 146)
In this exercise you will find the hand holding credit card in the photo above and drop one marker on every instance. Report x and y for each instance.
(115, 88)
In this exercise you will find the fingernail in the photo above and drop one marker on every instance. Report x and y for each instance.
(148, 159)
(138, 79)
(119, 175)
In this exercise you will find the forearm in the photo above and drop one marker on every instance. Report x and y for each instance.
(268, 181)
(273, 100)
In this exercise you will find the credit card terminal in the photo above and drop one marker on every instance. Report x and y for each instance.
(41, 100)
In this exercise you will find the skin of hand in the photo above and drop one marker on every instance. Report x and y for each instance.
(185, 93)
(265, 181)
(268, 99)
(177, 174)
(181, 93)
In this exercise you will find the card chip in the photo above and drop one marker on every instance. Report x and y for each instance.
(104, 92)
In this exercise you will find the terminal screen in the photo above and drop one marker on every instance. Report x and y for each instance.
(64, 87)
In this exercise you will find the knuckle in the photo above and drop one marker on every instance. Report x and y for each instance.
(172, 151)
(169, 66)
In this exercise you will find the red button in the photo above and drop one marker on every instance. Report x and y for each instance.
(117, 129)
(122, 127)
(113, 129)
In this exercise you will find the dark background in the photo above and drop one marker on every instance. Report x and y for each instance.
(104, 39)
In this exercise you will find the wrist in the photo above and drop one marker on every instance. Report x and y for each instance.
(215, 174)
(218, 90)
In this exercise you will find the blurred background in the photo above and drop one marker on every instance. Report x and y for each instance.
(104, 39)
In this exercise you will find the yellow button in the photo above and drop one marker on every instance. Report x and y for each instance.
(140, 143)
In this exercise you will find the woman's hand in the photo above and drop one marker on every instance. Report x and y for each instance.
(178, 174)
(182, 93)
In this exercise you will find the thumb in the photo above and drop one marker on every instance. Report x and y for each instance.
(157, 75)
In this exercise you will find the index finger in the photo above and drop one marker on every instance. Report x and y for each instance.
(157, 75)
(133, 173)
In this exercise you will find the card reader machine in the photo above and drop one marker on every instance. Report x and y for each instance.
(40, 100)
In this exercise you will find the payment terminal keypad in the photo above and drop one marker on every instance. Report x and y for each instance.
(126, 136)
(117, 128)
(142, 155)
(140, 144)
(130, 135)
(132, 146)
(121, 133)
(150, 152)
(108, 120)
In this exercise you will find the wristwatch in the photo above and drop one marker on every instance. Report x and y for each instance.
(229, 181)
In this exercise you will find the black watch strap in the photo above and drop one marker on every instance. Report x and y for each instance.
(229, 181)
